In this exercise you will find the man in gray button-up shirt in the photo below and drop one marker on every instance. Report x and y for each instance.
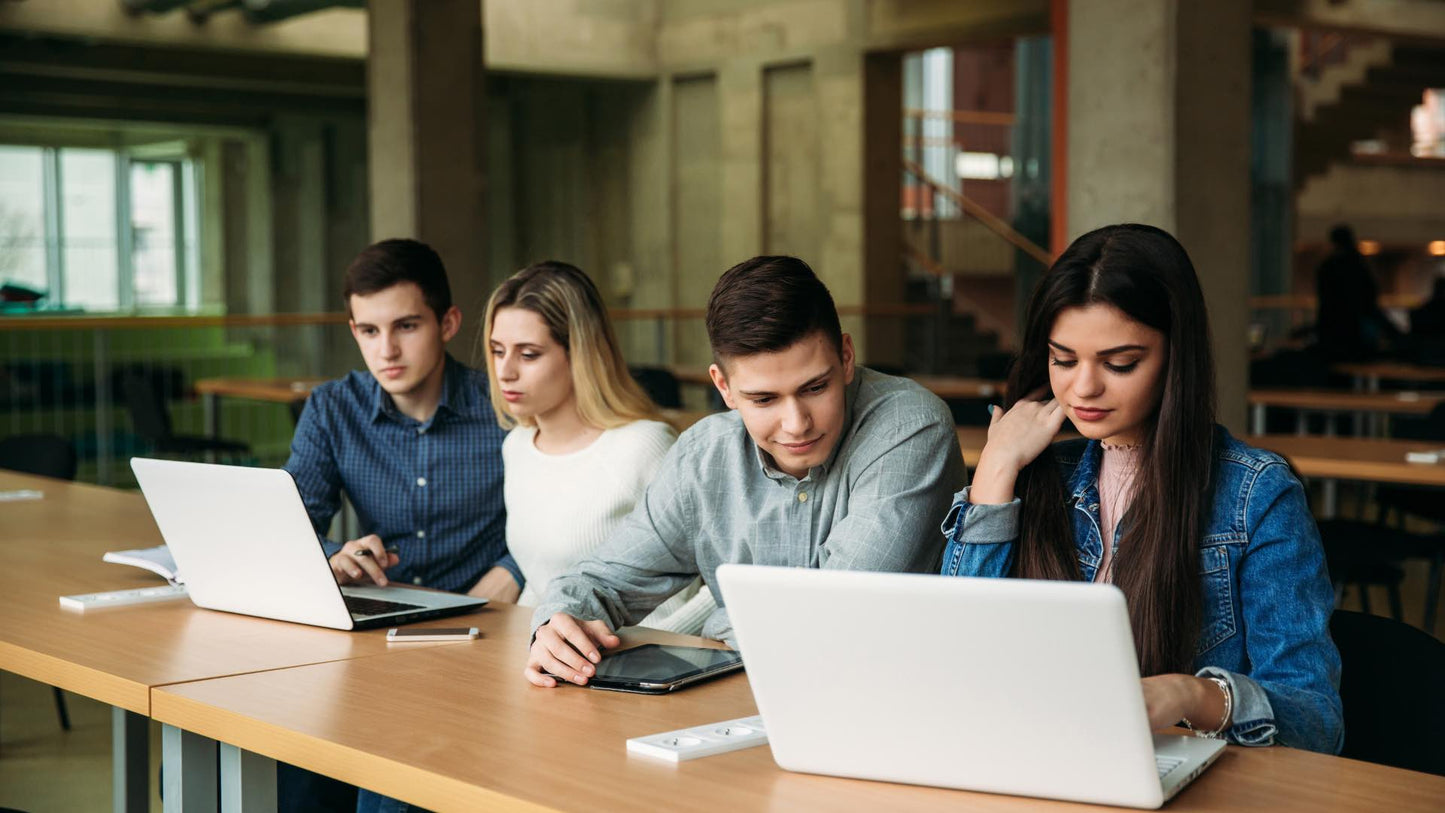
(819, 464)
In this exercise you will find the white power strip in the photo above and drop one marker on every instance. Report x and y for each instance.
(701, 741)
(121, 598)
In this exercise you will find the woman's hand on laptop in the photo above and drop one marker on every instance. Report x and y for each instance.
(1170, 699)
(361, 560)
(567, 648)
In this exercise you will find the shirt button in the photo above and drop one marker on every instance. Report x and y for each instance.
(421, 481)
(421, 534)
(421, 430)
(802, 496)
(416, 580)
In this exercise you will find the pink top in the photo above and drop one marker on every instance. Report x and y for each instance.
(1116, 492)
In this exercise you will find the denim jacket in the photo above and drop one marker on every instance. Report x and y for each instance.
(1266, 597)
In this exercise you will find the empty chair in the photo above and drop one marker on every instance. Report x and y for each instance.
(660, 385)
(1364, 554)
(1390, 686)
(145, 401)
(46, 456)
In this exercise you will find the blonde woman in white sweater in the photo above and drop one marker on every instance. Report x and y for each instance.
(585, 440)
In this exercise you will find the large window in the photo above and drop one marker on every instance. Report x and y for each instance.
(98, 230)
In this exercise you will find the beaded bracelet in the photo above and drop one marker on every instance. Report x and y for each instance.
(1224, 720)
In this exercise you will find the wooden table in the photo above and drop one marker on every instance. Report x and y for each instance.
(457, 728)
(53, 547)
(950, 386)
(1369, 460)
(1366, 459)
(1322, 400)
(1327, 458)
(274, 390)
(1367, 375)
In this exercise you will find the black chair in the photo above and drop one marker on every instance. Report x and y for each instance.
(660, 385)
(995, 366)
(1390, 686)
(43, 455)
(1365, 554)
(1423, 502)
(46, 456)
(145, 400)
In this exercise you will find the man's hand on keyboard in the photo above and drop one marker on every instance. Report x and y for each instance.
(363, 560)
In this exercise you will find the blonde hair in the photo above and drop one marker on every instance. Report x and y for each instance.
(572, 308)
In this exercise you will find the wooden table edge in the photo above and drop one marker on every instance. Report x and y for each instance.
(409, 783)
(77, 678)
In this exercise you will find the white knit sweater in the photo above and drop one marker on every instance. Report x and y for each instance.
(561, 507)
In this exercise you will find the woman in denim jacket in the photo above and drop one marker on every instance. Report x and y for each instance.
(1210, 540)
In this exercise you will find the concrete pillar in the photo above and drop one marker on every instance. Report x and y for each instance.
(740, 144)
(1158, 124)
(426, 136)
(883, 229)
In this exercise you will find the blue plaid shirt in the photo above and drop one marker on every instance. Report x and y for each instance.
(433, 490)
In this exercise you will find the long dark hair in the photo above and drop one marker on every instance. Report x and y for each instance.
(1146, 274)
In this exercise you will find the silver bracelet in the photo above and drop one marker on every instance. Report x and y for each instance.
(1228, 711)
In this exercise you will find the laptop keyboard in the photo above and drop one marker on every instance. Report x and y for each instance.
(375, 606)
(1166, 764)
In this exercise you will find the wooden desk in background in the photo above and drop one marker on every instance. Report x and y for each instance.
(52, 548)
(274, 390)
(1319, 400)
(1368, 374)
(1327, 458)
(469, 734)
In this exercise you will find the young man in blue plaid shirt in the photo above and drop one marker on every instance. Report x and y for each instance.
(414, 444)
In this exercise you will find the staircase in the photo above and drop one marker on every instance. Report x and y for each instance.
(1368, 94)
(950, 341)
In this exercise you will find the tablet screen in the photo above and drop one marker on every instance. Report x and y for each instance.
(656, 663)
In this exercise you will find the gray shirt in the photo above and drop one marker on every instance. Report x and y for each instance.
(874, 505)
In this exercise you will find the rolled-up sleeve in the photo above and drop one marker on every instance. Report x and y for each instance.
(1291, 692)
(979, 539)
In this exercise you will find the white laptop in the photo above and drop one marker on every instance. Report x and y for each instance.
(243, 542)
(1008, 686)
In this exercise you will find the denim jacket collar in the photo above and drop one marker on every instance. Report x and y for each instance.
(1086, 474)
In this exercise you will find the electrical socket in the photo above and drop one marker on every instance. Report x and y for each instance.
(121, 598)
(701, 741)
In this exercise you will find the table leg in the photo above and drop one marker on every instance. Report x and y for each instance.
(130, 761)
(248, 781)
(189, 771)
(1330, 498)
(212, 403)
(1257, 418)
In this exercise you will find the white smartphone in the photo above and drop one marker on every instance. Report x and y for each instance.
(419, 634)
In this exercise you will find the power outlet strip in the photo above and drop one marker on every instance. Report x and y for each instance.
(701, 741)
(122, 598)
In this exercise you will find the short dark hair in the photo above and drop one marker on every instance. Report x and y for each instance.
(767, 304)
(1343, 236)
(392, 262)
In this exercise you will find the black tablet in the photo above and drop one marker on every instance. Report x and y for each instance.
(659, 668)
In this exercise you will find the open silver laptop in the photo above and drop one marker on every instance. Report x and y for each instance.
(999, 685)
(243, 542)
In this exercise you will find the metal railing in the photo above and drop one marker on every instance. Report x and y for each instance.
(75, 376)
